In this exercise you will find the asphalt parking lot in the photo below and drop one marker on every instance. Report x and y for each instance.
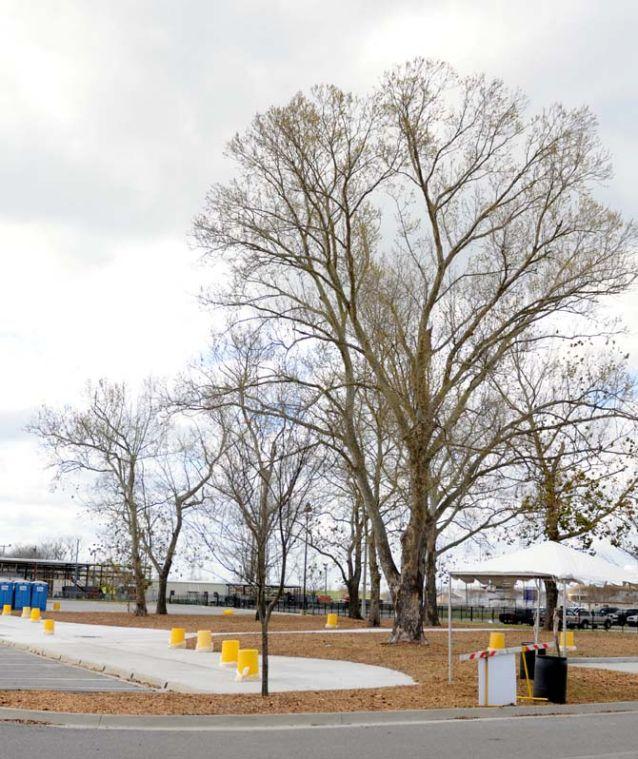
(20, 670)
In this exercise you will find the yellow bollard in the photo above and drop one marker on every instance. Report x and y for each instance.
(247, 664)
(228, 613)
(204, 640)
(57, 606)
(230, 649)
(35, 614)
(566, 638)
(332, 622)
(497, 640)
(6, 610)
(48, 626)
(26, 612)
(178, 638)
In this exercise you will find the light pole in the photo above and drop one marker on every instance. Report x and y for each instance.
(307, 511)
(325, 581)
(4, 547)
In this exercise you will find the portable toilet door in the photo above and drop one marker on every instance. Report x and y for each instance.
(39, 593)
(6, 593)
(22, 596)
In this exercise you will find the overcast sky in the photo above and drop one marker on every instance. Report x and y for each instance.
(113, 120)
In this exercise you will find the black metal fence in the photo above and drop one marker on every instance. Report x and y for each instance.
(460, 613)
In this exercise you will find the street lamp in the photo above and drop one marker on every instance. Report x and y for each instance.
(325, 572)
(307, 511)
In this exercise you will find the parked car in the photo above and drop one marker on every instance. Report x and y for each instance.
(581, 619)
(593, 619)
(620, 616)
(632, 619)
(517, 617)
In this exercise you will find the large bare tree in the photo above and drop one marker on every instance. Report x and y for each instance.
(496, 234)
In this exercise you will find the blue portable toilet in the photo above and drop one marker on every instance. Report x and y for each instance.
(6, 592)
(39, 593)
(22, 595)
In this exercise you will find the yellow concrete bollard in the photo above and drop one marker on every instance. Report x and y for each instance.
(497, 640)
(6, 610)
(332, 622)
(35, 614)
(178, 637)
(26, 612)
(566, 638)
(230, 649)
(48, 626)
(204, 640)
(228, 612)
(57, 606)
(247, 664)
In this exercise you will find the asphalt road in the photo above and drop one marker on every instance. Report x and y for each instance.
(587, 736)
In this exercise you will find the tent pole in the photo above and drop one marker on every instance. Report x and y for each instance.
(565, 618)
(449, 628)
(537, 620)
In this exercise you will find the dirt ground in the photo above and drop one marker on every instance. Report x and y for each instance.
(427, 664)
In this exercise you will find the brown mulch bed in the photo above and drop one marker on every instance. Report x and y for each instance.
(426, 664)
(193, 622)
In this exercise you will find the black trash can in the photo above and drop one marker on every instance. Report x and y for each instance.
(530, 658)
(550, 679)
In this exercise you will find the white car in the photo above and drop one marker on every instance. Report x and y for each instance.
(632, 620)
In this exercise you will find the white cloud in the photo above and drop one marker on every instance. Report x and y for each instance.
(113, 119)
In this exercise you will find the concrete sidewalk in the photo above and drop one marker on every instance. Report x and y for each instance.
(143, 655)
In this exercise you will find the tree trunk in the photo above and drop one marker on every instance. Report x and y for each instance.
(431, 608)
(408, 601)
(374, 609)
(168, 563)
(140, 580)
(162, 582)
(551, 601)
(354, 602)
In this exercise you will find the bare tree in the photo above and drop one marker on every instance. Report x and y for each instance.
(58, 549)
(263, 478)
(497, 234)
(338, 530)
(176, 481)
(576, 469)
(108, 440)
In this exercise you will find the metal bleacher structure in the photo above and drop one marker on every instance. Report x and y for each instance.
(69, 579)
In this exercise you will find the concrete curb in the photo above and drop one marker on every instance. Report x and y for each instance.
(603, 660)
(305, 720)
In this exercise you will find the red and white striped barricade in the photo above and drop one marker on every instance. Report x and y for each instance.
(497, 673)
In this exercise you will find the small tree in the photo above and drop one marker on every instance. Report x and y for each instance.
(576, 462)
(109, 441)
(176, 482)
(263, 478)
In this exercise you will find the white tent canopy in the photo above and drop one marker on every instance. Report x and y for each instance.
(545, 561)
